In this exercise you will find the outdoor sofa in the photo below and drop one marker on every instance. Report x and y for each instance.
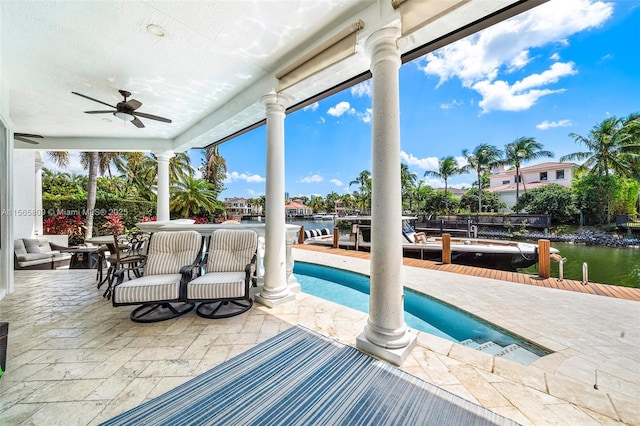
(33, 253)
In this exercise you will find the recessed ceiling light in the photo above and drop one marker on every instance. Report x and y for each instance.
(156, 30)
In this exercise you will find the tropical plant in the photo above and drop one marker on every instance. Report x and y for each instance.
(447, 167)
(520, 151)
(317, 204)
(191, 196)
(62, 224)
(330, 201)
(481, 160)
(114, 224)
(440, 202)
(214, 169)
(363, 195)
(407, 182)
(553, 199)
(613, 145)
(595, 195)
(490, 201)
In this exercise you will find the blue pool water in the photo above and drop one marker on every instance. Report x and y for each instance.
(421, 311)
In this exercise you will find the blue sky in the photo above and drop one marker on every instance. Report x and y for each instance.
(560, 68)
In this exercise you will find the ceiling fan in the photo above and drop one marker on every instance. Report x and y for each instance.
(24, 137)
(125, 110)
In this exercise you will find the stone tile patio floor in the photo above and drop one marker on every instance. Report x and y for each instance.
(73, 359)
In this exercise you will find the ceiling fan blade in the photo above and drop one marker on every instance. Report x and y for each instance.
(23, 139)
(100, 112)
(28, 135)
(152, 117)
(137, 123)
(92, 99)
(133, 104)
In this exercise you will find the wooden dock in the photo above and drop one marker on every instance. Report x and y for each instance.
(620, 292)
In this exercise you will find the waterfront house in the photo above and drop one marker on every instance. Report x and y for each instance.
(239, 207)
(296, 208)
(503, 182)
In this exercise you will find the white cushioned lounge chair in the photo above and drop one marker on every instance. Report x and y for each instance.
(171, 261)
(229, 271)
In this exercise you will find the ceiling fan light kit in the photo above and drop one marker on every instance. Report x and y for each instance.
(125, 110)
(156, 30)
(124, 116)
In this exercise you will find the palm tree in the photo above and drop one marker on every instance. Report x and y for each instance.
(215, 168)
(522, 150)
(317, 203)
(190, 196)
(407, 181)
(364, 193)
(612, 145)
(480, 160)
(447, 167)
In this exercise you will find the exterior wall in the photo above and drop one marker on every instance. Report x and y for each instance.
(24, 194)
(506, 192)
(551, 176)
(509, 198)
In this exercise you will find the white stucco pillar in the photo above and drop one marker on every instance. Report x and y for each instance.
(37, 218)
(162, 209)
(275, 290)
(386, 335)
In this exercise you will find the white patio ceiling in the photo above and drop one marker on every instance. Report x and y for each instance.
(207, 74)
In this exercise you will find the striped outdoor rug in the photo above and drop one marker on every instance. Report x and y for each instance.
(300, 377)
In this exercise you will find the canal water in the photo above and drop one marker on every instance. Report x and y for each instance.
(605, 265)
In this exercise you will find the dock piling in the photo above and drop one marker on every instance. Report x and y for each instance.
(544, 258)
(446, 248)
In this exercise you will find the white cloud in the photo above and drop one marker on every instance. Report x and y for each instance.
(478, 60)
(249, 178)
(336, 182)
(254, 194)
(341, 108)
(555, 57)
(314, 106)
(311, 179)
(322, 120)
(452, 104)
(499, 95)
(361, 89)
(365, 116)
(550, 124)
(345, 107)
(429, 163)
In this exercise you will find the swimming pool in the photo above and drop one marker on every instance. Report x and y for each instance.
(422, 313)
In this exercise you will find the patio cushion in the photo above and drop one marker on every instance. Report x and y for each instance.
(32, 256)
(231, 250)
(169, 251)
(19, 248)
(148, 289)
(216, 285)
(33, 245)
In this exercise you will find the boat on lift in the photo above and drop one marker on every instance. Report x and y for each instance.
(489, 253)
